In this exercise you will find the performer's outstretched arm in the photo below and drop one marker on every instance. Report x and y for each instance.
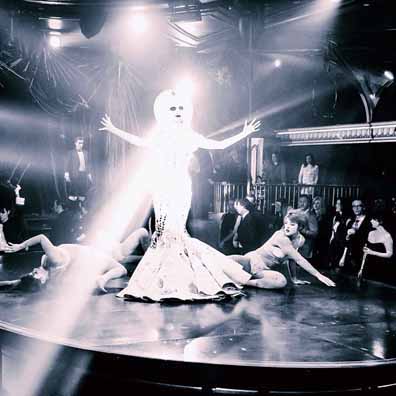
(54, 253)
(305, 264)
(210, 144)
(129, 137)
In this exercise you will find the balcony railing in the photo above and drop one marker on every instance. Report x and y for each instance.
(267, 194)
(223, 192)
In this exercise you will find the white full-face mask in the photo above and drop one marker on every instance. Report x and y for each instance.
(173, 110)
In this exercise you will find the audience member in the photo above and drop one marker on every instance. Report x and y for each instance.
(377, 252)
(310, 232)
(274, 171)
(358, 228)
(337, 228)
(247, 236)
(12, 221)
(77, 171)
(321, 245)
(227, 229)
(309, 175)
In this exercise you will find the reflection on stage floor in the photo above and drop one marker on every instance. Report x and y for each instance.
(300, 327)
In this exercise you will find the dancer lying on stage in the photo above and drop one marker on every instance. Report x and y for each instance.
(280, 248)
(176, 266)
(86, 260)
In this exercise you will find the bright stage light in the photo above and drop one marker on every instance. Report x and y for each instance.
(55, 23)
(277, 63)
(139, 23)
(55, 40)
(185, 86)
(389, 75)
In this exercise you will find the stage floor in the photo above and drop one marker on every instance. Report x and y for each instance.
(306, 326)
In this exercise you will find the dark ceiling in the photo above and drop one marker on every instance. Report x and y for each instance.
(363, 30)
(356, 36)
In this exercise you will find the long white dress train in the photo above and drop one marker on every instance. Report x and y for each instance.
(176, 266)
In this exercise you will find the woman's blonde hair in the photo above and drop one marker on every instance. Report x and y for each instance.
(297, 216)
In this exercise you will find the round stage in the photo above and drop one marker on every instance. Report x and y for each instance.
(301, 339)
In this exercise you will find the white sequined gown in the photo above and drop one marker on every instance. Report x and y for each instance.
(177, 266)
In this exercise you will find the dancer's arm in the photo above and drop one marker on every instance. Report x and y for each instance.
(54, 253)
(210, 144)
(14, 282)
(129, 137)
(45, 243)
(292, 253)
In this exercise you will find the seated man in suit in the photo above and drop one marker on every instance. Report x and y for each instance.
(248, 234)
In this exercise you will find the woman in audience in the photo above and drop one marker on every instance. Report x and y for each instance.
(76, 262)
(377, 252)
(280, 248)
(337, 230)
(309, 174)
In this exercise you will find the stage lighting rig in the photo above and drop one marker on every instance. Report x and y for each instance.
(182, 11)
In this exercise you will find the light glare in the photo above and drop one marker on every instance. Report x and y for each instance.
(186, 87)
(278, 63)
(54, 41)
(55, 24)
(389, 75)
(139, 23)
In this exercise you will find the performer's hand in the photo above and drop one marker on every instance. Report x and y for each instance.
(253, 126)
(67, 178)
(13, 247)
(300, 282)
(107, 124)
(327, 281)
(367, 250)
(360, 274)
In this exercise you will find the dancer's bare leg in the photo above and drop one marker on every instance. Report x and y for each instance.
(138, 237)
(112, 270)
(265, 279)
(243, 260)
(268, 279)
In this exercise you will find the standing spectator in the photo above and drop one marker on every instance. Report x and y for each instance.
(274, 171)
(337, 228)
(376, 264)
(202, 173)
(77, 171)
(310, 232)
(322, 240)
(12, 222)
(309, 174)
(357, 232)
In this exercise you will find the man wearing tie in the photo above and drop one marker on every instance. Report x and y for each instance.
(77, 172)
(358, 229)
